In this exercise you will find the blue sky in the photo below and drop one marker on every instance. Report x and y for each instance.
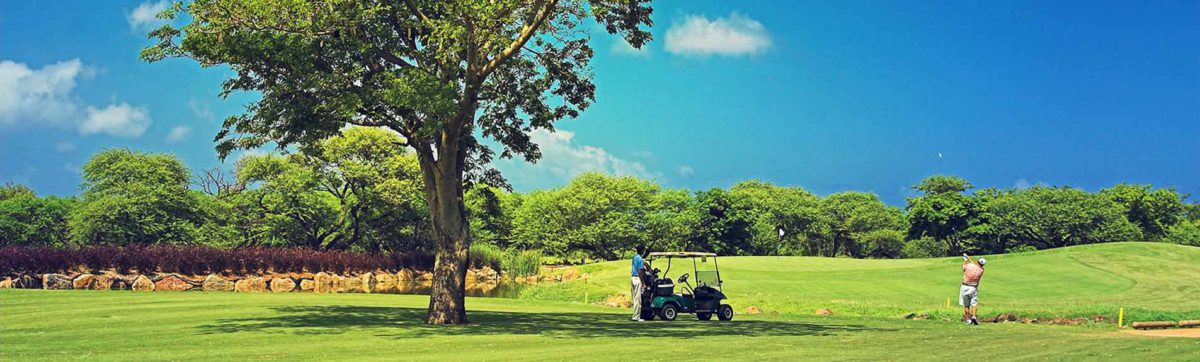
(830, 96)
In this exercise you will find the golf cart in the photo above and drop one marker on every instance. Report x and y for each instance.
(703, 299)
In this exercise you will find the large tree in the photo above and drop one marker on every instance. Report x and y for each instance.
(440, 73)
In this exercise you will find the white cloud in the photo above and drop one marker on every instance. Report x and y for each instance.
(736, 34)
(200, 110)
(620, 46)
(144, 16)
(563, 159)
(178, 133)
(38, 94)
(686, 171)
(121, 120)
(64, 146)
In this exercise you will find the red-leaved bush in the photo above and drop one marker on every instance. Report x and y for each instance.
(194, 260)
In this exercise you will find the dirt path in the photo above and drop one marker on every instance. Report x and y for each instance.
(1183, 332)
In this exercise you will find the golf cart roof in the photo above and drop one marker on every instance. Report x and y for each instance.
(680, 254)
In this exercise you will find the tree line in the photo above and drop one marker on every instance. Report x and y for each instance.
(362, 191)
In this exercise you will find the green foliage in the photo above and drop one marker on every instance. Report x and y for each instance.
(11, 191)
(1152, 210)
(599, 214)
(856, 214)
(924, 247)
(1048, 217)
(882, 243)
(942, 212)
(515, 262)
(490, 211)
(1184, 233)
(135, 198)
(29, 220)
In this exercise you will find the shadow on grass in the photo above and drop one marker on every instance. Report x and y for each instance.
(407, 323)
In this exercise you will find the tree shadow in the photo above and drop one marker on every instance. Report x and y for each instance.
(407, 323)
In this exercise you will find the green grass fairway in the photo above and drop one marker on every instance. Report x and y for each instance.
(88, 325)
(1150, 280)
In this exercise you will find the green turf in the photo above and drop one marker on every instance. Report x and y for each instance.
(1150, 280)
(89, 325)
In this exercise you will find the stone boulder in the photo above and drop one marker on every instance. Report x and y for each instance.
(108, 281)
(384, 282)
(172, 283)
(324, 283)
(425, 276)
(6, 283)
(753, 310)
(405, 275)
(307, 285)
(27, 282)
(56, 282)
(349, 285)
(142, 283)
(250, 284)
(618, 301)
(83, 281)
(280, 285)
(824, 311)
(368, 282)
(570, 274)
(487, 273)
(215, 283)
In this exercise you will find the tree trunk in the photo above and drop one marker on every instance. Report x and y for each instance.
(451, 235)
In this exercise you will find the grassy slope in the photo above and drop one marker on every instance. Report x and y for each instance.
(67, 325)
(1151, 280)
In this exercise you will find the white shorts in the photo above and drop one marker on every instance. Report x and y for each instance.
(968, 296)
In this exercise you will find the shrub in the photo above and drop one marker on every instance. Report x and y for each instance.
(924, 248)
(1020, 249)
(1184, 233)
(194, 260)
(483, 254)
(523, 263)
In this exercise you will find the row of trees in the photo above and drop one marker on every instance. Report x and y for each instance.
(362, 191)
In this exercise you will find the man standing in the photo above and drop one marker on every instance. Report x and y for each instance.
(968, 294)
(635, 293)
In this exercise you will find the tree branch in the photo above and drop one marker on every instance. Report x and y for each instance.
(527, 32)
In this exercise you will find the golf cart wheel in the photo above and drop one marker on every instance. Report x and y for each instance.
(668, 312)
(647, 314)
(704, 316)
(725, 312)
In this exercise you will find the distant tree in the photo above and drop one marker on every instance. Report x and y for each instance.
(882, 243)
(333, 195)
(726, 225)
(1186, 232)
(135, 198)
(672, 220)
(11, 190)
(942, 212)
(1048, 217)
(595, 213)
(854, 214)
(490, 211)
(440, 73)
(1153, 210)
(30, 220)
(784, 220)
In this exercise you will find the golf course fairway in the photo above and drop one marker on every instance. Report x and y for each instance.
(866, 297)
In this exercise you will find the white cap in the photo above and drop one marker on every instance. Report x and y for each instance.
(982, 261)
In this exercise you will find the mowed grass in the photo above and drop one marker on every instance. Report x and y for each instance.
(130, 326)
(1150, 280)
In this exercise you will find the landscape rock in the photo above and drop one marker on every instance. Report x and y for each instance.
(56, 282)
(487, 273)
(570, 274)
(824, 311)
(405, 275)
(6, 283)
(425, 276)
(753, 310)
(349, 285)
(215, 283)
(307, 285)
(142, 283)
(83, 281)
(172, 283)
(384, 282)
(108, 281)
(324, 282)
(471, 277)
(282, 285)
(1004, 317)
(368, 282)
(618, 301)
(250, 284)
(27, 282)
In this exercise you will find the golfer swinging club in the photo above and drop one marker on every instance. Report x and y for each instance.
(968, 295)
